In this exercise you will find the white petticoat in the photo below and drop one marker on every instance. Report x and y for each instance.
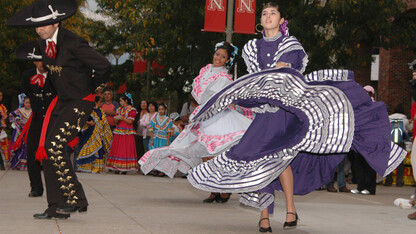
(199, 139)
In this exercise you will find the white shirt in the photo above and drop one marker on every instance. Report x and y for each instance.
(54, 38)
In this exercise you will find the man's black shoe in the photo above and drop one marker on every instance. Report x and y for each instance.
(71, 209)
(2, 167)
(35, 194)
(45, 215)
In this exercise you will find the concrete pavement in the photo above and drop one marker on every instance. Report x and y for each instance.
(144, 204)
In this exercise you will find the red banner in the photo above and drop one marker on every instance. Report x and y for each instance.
(215, 14)
(245, 16)
(140, 65)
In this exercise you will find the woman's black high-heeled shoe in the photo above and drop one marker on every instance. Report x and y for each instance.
(221, 199)
(214, 196)
(291, 224)
(262, 229)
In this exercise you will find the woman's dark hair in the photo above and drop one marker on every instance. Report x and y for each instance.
(151, 103)
(162, 104)
(272, 5)
(97, 99)
(227, 47)
(125, 98)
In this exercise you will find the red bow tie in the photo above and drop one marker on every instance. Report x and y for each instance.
(38, 79)
(51, 49)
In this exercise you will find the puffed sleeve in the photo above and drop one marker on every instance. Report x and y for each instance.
(215, 86)
(293, 54)
(249, 55)
(132, 114)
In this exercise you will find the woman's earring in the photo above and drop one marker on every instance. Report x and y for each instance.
(259, 28)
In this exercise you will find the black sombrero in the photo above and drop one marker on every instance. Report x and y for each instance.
(29, 51)
(43, 12)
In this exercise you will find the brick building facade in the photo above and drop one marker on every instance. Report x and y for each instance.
(394, 75)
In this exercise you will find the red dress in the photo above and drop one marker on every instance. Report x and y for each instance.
(122, 154)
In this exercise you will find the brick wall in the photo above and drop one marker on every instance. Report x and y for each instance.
(411, 4)
(394, 75)
(393, 85)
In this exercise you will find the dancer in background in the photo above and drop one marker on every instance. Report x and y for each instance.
(122, 157)
(95, 141)
(4, 142)
(18, 118)
(204, 139)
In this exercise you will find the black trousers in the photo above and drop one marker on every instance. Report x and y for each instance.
(139, 146)
(62, 186)
(365, 175)
(34, 167)
(1, 160)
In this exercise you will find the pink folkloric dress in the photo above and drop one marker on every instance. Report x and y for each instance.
(122, 156)
(202, 139)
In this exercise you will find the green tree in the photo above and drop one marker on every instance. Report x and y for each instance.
(334, 33)
(358, 26)
(168, 32)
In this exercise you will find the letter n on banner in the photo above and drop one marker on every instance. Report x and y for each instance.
(245, 16)
(215, 14)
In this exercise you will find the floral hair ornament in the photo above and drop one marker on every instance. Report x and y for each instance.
(232, 55)
(282, 28)
(129, 96)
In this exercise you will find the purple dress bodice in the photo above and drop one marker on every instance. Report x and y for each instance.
(265, 53)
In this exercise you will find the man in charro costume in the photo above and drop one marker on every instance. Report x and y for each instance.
(70, 62)
(38, 87)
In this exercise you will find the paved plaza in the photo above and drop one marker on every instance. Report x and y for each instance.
(135, 203)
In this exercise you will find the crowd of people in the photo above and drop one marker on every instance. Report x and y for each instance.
(273, 129)
(113, 139)
(117, 135)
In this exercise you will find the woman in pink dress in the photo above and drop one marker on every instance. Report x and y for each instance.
(122, 157)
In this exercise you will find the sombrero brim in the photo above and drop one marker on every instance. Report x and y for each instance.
(23, 19)
(29, 51)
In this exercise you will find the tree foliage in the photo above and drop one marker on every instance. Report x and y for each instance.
(360, 24)
(169, 31)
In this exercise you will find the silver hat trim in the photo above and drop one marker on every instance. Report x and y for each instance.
(54, 15)
(33, 55)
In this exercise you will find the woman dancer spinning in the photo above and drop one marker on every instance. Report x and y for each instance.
(308, 123)
(203, 139)
(265, 54)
